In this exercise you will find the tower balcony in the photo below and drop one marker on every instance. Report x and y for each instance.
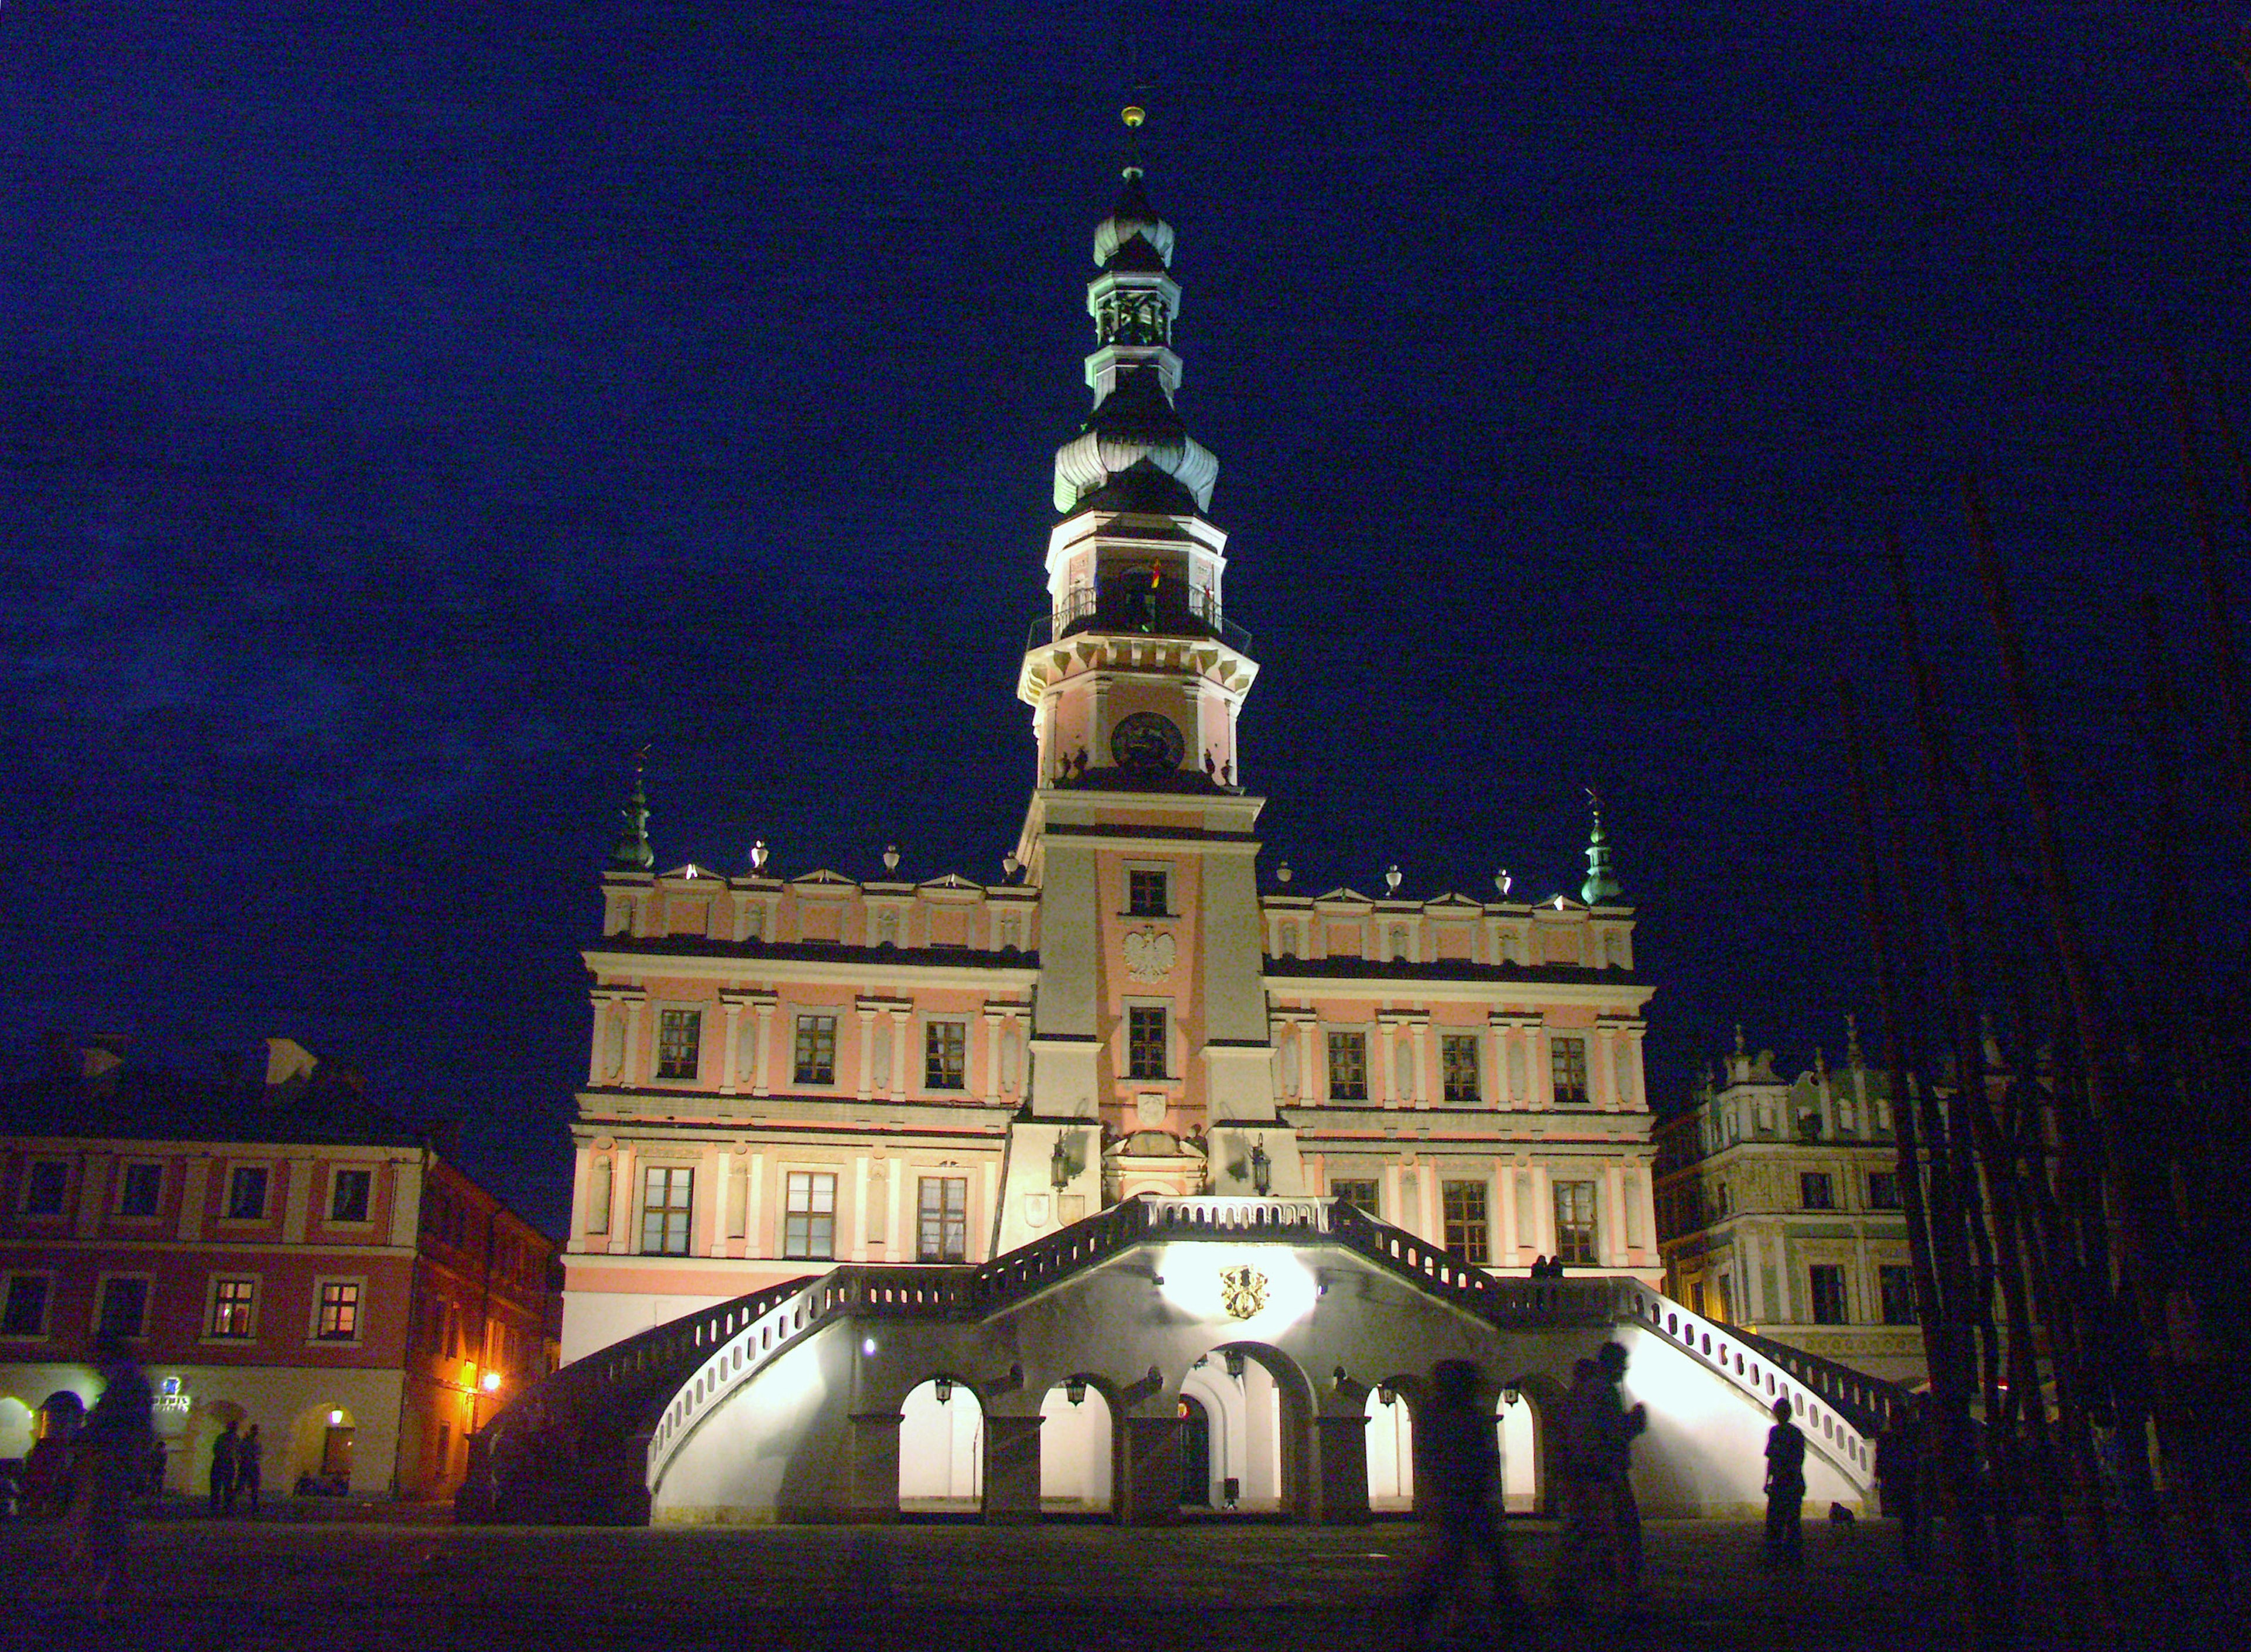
(1130, 605)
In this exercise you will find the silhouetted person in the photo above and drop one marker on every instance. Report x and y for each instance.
(1621, 1429)
(1457, 1463)
(1898, 1472)
(113, 1458)
(249, 1467)
(1785, 1491)
(1593, 1439)
(226, 1458)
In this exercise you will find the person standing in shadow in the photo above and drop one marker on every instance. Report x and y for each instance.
(1457, 1466)
(249, 1467)
(226, 1458)
(1785, 1492)
(113, 1461)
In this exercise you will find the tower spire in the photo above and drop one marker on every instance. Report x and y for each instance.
(632, 852)
(1602, 886)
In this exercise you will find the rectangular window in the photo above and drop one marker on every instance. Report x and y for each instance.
(943, 1232)
(246, 1194)
(45, 1186)
(1575, 1223)
(808, 1223)
(1567, 1065)
(816, 1050)
(139, 1189)
(1466, 1227)
(1358, 1193)
(668, 1196)
(1816, 1192)
(1457, 1052)
(1696, 1296)
(679, 1036)
(339, 1315)
(946, 1055)
(348, 1193)
(233, 1303)
(1883, 1190)
(124, 1308)
(1145, 1041)
(1896, 1283)
(1348, 1067)
(25, 1313)
(1148, 895)
(1828, 1281)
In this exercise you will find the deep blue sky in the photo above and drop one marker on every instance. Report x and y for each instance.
(410, 411)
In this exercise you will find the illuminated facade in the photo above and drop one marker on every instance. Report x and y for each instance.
(275, 1250)
(788, 1070)
(1778, 1208)
(1139, 1180)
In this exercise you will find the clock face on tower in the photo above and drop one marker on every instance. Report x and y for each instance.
(1146, 741)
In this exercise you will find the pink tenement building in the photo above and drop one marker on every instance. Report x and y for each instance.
(970, 1100)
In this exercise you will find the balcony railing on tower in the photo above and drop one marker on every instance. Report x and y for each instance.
(1134, 604)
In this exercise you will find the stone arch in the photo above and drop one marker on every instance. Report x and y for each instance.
(322, 1450)
(1079, 1443)
(1390, 1408)
(1529, 1434)
(942, 1447)
(1262, 1408)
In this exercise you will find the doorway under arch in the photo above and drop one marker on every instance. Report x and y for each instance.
(1077, 1449)
(1521, 1419)
(941, 1449)
(1259, 1408)
(1390, 1436)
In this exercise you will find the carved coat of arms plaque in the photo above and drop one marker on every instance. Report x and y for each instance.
(1242, 1290)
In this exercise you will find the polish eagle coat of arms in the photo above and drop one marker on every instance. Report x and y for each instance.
(1149, 954)
(1242, 1290)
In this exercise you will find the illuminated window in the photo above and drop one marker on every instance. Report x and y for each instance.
(1816, 1192)
(1348, 1067)
(1464, 1204)
(1358, 1193)
(124, 1308)
(943, 1231)
(1567, 1065)
(25, 1313)
(348, 1195)
(1575, 1223)
(667, 1198)
(1145, 1041)
(246, 1194)
(140, 1188)
(1148, 895)
(816, 1050)
(945, 1055)
(1895, 1283)
(1457, 1052)
(679, 1038)
(45, 1186)
(1826, 1287)
(233, 1303)
(338, 1321)
(808, 1224)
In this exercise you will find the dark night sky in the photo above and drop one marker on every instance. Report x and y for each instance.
(409, 414)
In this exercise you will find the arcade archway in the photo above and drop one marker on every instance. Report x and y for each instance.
(1258, 1408)
(941, 1449)
(1077, 1449)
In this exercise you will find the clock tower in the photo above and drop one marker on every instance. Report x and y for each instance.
(1151, 1067)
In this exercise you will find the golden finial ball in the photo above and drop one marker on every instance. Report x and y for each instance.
(1132, 115)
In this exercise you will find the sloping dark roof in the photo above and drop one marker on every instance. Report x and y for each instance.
(138, 1103)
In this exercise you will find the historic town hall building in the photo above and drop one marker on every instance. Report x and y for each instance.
(1140, 1180)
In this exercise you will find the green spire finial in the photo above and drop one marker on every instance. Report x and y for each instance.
(632, 852)
(1602, 886)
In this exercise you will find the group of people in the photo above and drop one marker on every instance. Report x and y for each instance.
(1546, 1267)
(238, 1469)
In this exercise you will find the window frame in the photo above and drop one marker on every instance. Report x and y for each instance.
(678, 1207)
(1810, 1183)
(678, 1060)
(1345, 1038)
(61, 1211)
(1567, 1053)
(211, 1333)
(1902, 1274)
(1137, 891)
(1570, 1250)
(953, 1222)
(337, 1174)
(1885, 1181)
(125, 1177)
(45, 1276)
(1815, 1296)
(796, 1243)
(934, 1032)
(810, 1073)
(1139, 1047)
(1449, 1042)
(1468, 1233)
(322, 1285)
(1338, 1185)
(235, 1170)
(98, 1319)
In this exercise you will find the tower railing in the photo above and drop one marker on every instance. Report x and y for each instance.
(1130, 604)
